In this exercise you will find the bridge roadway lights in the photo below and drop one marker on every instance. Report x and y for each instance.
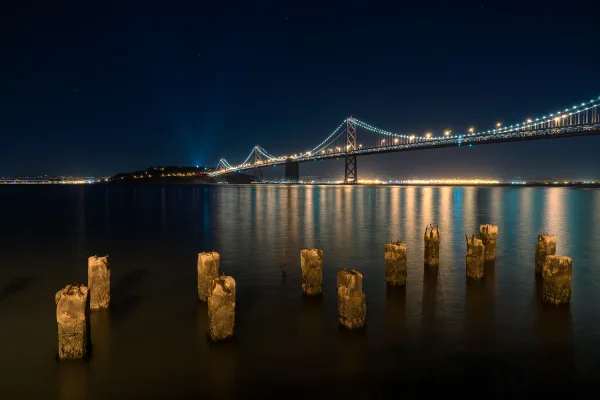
(292, 172)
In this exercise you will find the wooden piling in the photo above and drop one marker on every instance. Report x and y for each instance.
(72, 317)
(311, 263)
(546, 246)
(208, 269)
(352, 305)
(99, 282)
(432, 246)
(475, 260)
(557, 275)
(221, 308)
(395, 263)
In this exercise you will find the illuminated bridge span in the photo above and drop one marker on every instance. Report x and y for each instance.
(579, 120)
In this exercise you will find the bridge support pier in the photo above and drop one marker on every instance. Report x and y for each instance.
(259, 173)
(351, 172)
(292, 172)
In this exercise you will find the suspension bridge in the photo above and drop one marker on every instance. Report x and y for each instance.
(580, 120)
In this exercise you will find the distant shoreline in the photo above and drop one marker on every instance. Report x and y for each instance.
(574, 185)
(197, 182)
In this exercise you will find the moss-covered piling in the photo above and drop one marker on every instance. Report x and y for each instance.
(352, 305)
(72, 316)
(395, 263)
(311, 263)
(208, 269)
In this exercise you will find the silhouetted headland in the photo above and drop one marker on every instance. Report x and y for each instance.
(178, 175)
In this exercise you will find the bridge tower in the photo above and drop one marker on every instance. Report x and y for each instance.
(351, 171)
(257, 159)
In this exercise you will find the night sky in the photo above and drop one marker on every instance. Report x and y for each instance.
(102, 88)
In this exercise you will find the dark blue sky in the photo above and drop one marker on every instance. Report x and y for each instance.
(101, 88)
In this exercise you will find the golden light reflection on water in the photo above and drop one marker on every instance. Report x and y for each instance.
(469, 211)
(427, 207)
(445, 214)
(395, 214)
(495, 205)
(410, 214)
(249, 225)
(309, 222)
(554, 216)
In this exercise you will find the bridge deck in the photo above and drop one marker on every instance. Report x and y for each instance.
(512, 136)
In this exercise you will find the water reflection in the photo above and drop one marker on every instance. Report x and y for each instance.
(311, 325)
(395, 313)
(479, 311)
(74, 380)
(100, 324)
(281, 336)
(81, 224)
(395, 214)
(428, 319)
(222, 365)
(553, 327)
(351, 353)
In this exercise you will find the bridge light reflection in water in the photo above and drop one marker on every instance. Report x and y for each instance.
(250, 226)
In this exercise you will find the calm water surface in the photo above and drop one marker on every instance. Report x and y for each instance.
(439, 334)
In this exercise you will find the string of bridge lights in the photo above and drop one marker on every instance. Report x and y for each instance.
(264, 153)
(320, 145)
(223, 162)
(545, 119)
(553, 117)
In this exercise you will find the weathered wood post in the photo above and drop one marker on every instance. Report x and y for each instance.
(475, 257)
(395, 263)
(546, 246)
(432, 246)
(208, 269)
(489, 234)
(99, 282)
(311, 262)
(352, 305)
(221, 308)
(72, 316)
(556, 276)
